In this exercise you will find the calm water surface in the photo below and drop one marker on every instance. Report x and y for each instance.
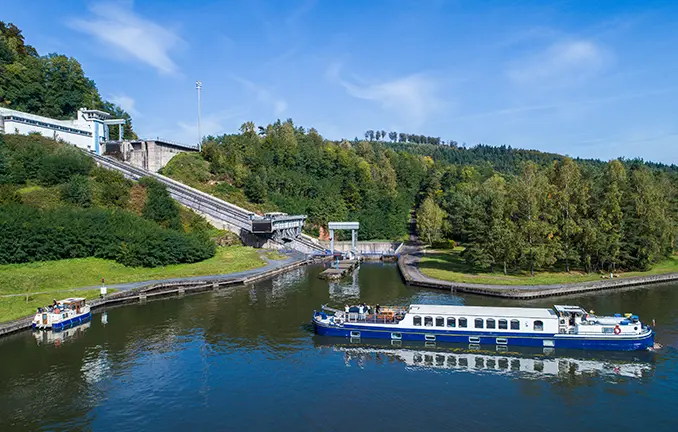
(246, 359)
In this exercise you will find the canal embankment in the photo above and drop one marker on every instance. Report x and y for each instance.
(143, 291)
(412, 275)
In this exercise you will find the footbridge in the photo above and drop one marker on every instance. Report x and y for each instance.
(276, 230)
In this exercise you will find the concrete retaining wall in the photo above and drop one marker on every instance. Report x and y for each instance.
(407, 264)
(380, 248)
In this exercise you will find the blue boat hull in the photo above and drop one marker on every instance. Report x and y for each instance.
(77, 320)
(618, 343)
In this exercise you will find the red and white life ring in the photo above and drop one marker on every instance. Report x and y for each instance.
(617, 329)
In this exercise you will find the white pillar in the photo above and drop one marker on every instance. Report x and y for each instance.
(332, 241)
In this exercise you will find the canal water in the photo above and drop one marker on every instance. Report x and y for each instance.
(245, 358)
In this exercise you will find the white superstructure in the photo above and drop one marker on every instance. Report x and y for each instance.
(86, 131)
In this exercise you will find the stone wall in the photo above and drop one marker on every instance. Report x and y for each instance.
(150, 155)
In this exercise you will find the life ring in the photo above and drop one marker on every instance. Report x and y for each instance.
(617, 329)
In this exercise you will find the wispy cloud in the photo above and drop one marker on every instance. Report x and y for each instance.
(568, 103)
(561, 64)
(264, 96)
(125, 102)
(138, 38)
(412, 97)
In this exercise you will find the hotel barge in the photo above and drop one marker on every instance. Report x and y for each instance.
(562, 327)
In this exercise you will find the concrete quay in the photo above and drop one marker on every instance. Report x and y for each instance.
(409, 271)
(338, 271)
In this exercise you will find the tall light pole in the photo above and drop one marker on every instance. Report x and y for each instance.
(198, 86)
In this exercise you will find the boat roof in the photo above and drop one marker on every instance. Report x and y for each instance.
(483, 311)
(568, 308)
(72, 300)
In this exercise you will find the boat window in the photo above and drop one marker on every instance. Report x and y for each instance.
(451, 322)
(440, 322)
(428, 321)
(416, 320)
(490, 323)
(538, 326)
(503, 324)
(462, 322)
(515, 325)
(479, 323)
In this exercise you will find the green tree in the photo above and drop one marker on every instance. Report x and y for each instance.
(430, 220)
(531, 196)
(566, 179)
(610, 214)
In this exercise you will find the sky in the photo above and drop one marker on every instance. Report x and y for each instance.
(592, 79)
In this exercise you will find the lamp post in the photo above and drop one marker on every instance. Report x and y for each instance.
(198, 86)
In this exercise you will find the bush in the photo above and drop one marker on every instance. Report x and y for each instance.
(77, 191)
(9, 195)
(113, 189)
(160, 207)
(444, 244)
(63, 164)
(28, 234)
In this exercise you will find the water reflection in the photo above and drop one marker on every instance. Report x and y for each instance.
(346, 288)
(523, 363)
(58, 337)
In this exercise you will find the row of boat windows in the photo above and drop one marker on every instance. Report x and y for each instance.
(479, 323)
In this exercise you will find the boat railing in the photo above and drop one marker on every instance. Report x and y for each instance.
(373, 318)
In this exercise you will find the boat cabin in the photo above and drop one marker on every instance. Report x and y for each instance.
(481, 318)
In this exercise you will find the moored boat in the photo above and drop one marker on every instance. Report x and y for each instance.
(561, 327)
(62, 314)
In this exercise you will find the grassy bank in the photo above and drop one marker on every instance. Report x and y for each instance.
(72, 273)
(44, 281)
(17, 307)
(450, 266)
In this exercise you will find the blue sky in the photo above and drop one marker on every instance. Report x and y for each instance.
(584, 78)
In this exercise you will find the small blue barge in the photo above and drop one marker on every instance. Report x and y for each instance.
(569, 327)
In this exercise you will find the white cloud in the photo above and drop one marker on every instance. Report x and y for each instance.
(413, 97)
(264, 96)
(125, 102)
(125, 32)
(561, 64)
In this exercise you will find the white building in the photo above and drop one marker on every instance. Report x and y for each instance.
(87, 131)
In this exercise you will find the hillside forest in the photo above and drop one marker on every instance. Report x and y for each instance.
(55, 204)
(511, 209)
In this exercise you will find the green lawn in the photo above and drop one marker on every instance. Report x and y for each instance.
(80, 272)
(274, 255)
(450, 266)
(17, 307)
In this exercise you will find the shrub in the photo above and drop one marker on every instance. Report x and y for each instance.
(77, 191)
(28, 234)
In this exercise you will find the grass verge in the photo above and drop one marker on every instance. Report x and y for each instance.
(82, 272)
(17, 307)
(450, 266)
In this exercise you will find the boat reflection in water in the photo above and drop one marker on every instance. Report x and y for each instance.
(526, 363)
(57, 338)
